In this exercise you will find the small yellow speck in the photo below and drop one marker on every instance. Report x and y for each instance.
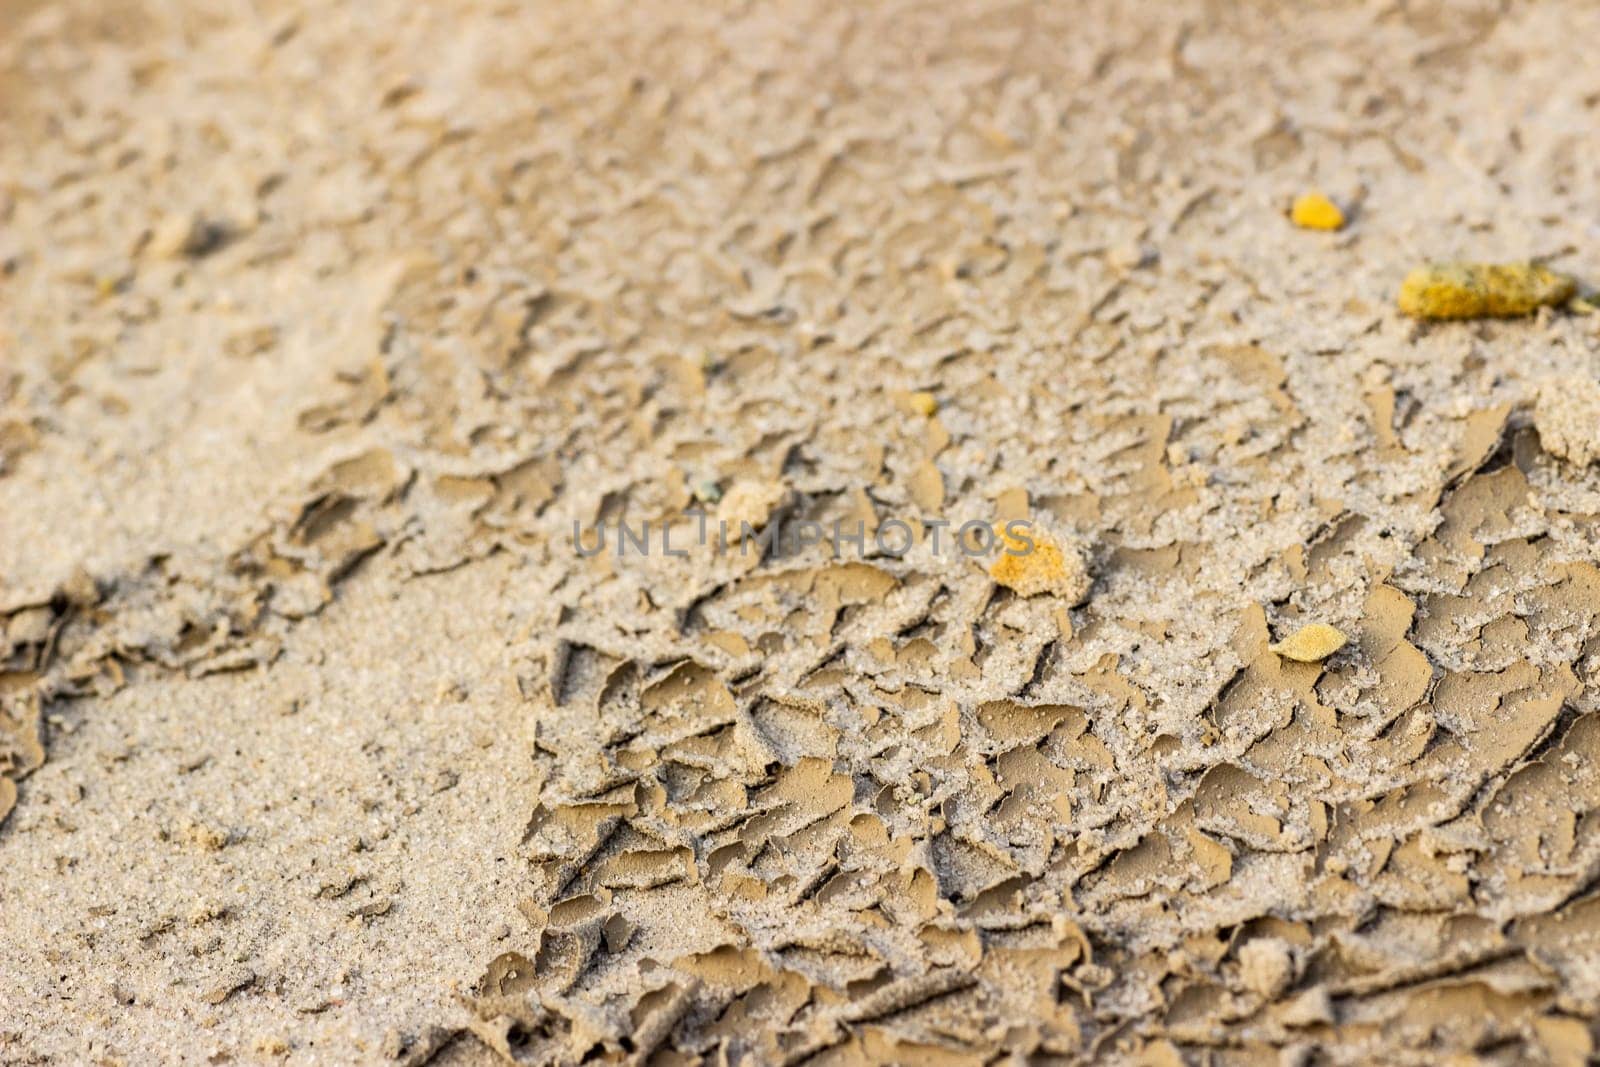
(1311, 643)
(1313, 211)
(924, 403)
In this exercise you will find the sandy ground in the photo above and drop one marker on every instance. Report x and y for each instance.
(322, 742)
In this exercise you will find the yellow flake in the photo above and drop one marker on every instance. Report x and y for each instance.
(1032, 562)
(1313, 211)
(1311, 643)
(1482, 290)
(923, 403)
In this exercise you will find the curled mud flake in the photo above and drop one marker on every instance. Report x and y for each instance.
(1567, 416)
(1266, 966)
(1311, 643)
(1033, 562)
(1313, 211)
(749, 503)
(231, 982)
(1482, 290)
(1314, 1007)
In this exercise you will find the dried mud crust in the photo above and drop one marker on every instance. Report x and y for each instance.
(299, 370)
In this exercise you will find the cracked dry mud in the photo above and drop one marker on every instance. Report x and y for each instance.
(321, 325)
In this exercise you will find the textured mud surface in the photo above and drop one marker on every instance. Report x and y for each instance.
(321, 326)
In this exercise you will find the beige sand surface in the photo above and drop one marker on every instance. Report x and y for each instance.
(322, 325)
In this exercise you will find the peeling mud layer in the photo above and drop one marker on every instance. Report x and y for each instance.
(322, 742)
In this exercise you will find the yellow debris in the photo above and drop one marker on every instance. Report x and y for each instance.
(1482, 290)
(1311, 643)
(924, 403)
(1033, 562)
(1313, 211)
